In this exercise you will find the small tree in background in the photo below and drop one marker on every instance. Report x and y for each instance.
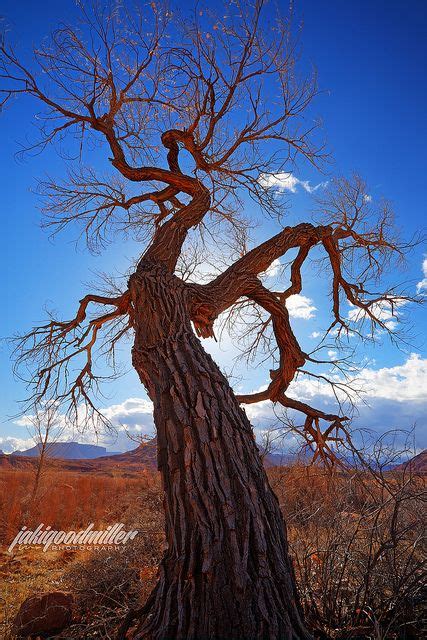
(45, 427)
(198, 118)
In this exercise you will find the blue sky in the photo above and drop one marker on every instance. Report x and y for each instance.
(370, 58)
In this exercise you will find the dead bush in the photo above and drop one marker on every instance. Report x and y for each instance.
(358, 543)
(110, 582)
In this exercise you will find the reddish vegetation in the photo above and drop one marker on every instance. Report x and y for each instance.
(69, 499)
(356, 542)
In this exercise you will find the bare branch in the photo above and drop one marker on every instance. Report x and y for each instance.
(58, 344)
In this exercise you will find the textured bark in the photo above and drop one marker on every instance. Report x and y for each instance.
(226, 573)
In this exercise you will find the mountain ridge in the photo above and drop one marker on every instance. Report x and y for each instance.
(72, 450)
(144, 456)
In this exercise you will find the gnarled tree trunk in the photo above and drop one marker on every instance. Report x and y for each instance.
(226, 573)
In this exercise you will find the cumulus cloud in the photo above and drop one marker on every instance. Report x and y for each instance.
(300, 306)
(24, 421)
(9, 444)
(272, 270)
(130, 419)
(131, 412)
(384, 311)
(287, 182)
(405, 383)
(393, 398)
(422, 285)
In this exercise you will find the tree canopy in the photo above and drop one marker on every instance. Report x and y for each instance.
(197, 114)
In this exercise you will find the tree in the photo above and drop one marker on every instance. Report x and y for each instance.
(200, 115)
(45, 427)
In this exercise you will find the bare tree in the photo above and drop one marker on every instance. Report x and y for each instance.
(195, 115)
(45, 427)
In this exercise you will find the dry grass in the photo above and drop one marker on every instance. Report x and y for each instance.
(356, 539)
(358, 543)
(70, 501)
(67, 500)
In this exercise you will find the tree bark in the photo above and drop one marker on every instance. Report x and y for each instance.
(226, 573)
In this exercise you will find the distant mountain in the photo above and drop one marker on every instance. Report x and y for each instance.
(73, 456)
(129, 463)
(284, 459)
(417, 464)
(67, 451)
(145, 456)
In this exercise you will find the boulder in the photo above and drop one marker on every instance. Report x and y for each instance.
(44, 614)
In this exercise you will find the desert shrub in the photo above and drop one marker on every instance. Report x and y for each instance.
(356, 537)
(358, 545)
(110, 583)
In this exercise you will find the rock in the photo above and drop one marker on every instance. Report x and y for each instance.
(43, 614)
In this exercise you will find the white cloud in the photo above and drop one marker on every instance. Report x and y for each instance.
(272, 270)
(131, 411)
(259, 412)
(134, 416)
(367, 198)
(300, 306)
(287, 182)
(9, 444)
(315, 334)
(402, 383)
(25, 421)
(394, 398)
(384, 311)
(422, 285)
